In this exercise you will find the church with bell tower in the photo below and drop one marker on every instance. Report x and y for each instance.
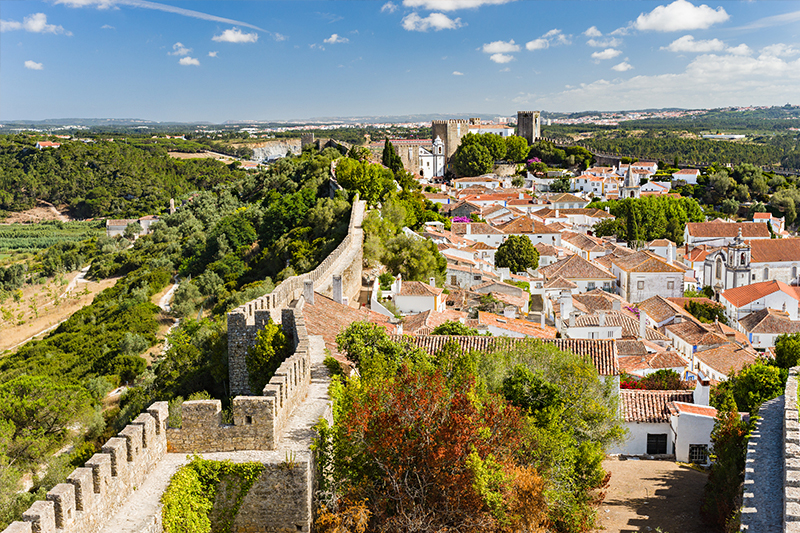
(631, 188)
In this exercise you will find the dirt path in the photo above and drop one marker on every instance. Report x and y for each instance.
(42, 211)
(645, 495)
(44, 306)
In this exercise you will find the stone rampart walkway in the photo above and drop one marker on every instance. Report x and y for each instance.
(142, 512)
(762, 511)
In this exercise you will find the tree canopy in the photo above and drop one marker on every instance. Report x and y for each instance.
(517, 253)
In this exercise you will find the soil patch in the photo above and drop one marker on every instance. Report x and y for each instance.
(43, 211)
(645, 495)
(43, 306)
(202, 155)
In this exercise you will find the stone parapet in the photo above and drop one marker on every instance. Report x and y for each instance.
(791, 455)
(95, 491)
(245, 321)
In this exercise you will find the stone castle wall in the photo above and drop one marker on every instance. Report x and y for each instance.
(258, 421)
(95, 491)
(245, 321)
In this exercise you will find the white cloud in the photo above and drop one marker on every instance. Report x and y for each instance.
(146, 4)
(608, 42)
(608, 53)
(537, 44)
(391, 7)
(457, 73)
(279, 37)
(235, 35)
(501, 47)
(780, 50)
(189, 61)
(435, 21)
(687, 43)
(741, 50)
(622, 67)
(212, 54)
(316, 46)
(107, 27)
(451, 5)
(179, 50)
(523, 98)
(501, 58)
(709, 81)
(551, 38)
(335, 39)
(681, 15)
(33, 65)
(775, 20)
(36, 23)
(593, 32)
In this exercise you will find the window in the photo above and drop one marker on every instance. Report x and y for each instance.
(248, 419)
(476, 277)
(698, 453)
(794, 272)
(592, 334)
(453, 280)
(656, 443)
(640, 285)
(670, 285)
(590, 285)
(718, 273)
(766, 273)
(606, 284)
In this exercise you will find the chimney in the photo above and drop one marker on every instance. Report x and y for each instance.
(399, 282)
(601, 320)
(432, 282)
(398, 328)
(731, 336)
(677, 319)
(572, 320)
(670, 254)
(337, 290)
(541, 318)
(702, 392)
(171, 206)
(556, 213)
(468, 230)
(642, 324)
(616, 305)
(308, 291)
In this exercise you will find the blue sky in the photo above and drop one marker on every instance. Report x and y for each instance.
(275, 60)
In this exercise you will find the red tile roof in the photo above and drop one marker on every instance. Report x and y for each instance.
(644, 261)
(526, 225)
(728, 229)
(692, 409)
(770, 321)
(774, 250)
(327, 318)
(727, 357)
(418, 288)
(575, 267)
(602, 353)
(650, 405)
(741, 296)
(515, 325)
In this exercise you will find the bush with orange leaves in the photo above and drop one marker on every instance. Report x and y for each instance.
(510, 440)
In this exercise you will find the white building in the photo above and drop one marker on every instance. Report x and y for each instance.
(742, 301)
(586, 275)
(689, 175)
(643, 274)
(722, 233)
(412, 297)
(764, 327)
(745, 262)
(432, 163)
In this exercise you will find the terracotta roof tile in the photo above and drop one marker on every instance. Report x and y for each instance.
(774, 250)
(602, 353)
(728, 229)
(692, 409)
(645, 261)
(727, 357)
(475, 228)
(527, 225)
(770, 321)
(425, 322)
(515, 325)
(328, 318)
(418, 288)
(575, 267)
(650, 405)
(741, 296)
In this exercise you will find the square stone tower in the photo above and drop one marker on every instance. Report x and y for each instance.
(450, 131)
(529, 125)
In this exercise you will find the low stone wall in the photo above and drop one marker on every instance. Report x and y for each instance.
(258, 421)
(95, 491)
(791, 455)
(245, 321)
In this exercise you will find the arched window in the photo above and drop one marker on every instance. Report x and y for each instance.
(718, 273)
(794, 272)
(766, 273)
(744, 259)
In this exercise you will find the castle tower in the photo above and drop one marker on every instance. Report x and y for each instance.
(529, 125)
(737, 268)
(450, 132)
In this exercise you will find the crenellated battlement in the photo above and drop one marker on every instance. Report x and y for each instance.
(248, 319)
(95, 491)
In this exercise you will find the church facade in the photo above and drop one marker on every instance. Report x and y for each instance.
(746, 262)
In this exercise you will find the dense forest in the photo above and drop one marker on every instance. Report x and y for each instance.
(102, 178)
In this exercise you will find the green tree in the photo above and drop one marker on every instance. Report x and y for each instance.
(724, 486)
(517, 253)
(263, 359)
(561, 184)
(752, 386)
(664, 379)
(373, 182)
(516, 148)
(787, 350)
(453, 327)
(390, 159)
(415, 259)
(495, 144)
(472, 160)
(730, 206)
(132, 230)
